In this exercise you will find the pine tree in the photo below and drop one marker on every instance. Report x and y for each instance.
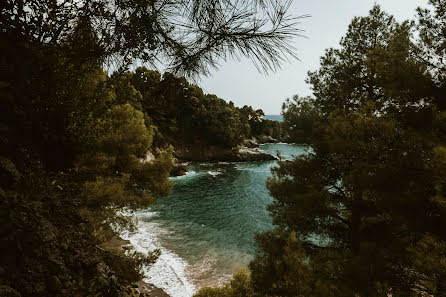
(367, 203)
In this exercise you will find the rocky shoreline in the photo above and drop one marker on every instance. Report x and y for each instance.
(218, 154)
(247, 152)
(143, 289)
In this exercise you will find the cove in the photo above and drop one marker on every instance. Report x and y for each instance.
(206, 228)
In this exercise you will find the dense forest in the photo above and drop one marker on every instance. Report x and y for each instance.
(182, 114)
(363, 213)
(76, 125)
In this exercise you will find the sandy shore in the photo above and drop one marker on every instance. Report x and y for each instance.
(144, 289)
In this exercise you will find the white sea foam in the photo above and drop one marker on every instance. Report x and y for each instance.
(214, 173)
(187, 175)
(169, 271)
(147, 215)
(241, 166)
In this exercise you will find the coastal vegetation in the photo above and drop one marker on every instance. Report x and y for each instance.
(183, 115)
(85, 138)
(363, 214)
(76, 125)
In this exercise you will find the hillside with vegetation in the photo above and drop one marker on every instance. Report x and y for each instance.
(199, 126)
(76, 126)
(85, 140)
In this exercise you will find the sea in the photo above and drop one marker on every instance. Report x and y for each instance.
(206, 228)
(273, 117)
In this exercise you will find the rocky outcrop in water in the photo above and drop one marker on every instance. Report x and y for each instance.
(219, 154)
(267, 139)
(252, 154)
(251, 143)
(247, 152)
(178, 170)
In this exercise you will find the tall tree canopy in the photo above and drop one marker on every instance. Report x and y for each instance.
(189, 35)
(366, 204)
(74, 139)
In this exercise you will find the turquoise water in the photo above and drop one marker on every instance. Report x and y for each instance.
(208, 223)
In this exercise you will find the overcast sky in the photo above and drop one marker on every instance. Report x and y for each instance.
(241, 83)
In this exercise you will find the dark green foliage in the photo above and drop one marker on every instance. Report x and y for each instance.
(183, 115)
(372, 64)
(366, 208)
(431, 46)
(239, 286)
(73, 140)
(282, 271)
(354, 197)
(261, 127)
(300, 116)
(48, 248)
(206, 31)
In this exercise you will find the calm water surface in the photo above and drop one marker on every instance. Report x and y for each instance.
(206, 228)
